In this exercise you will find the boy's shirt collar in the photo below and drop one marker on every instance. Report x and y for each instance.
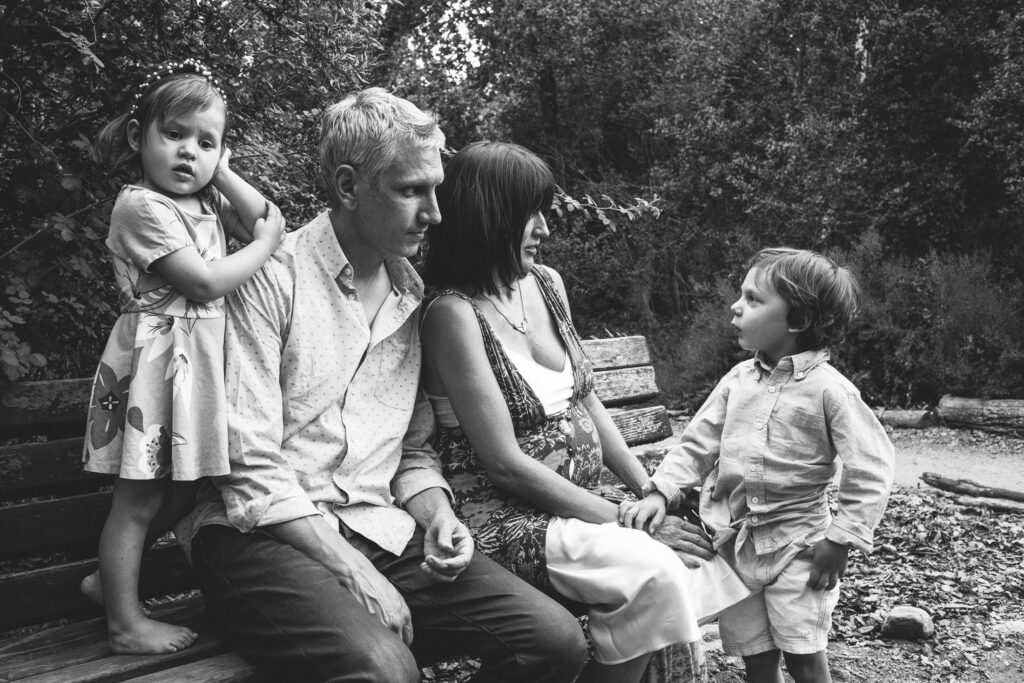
(799, 365)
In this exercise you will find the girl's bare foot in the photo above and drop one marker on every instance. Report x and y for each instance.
(149, 637)
(92, 589)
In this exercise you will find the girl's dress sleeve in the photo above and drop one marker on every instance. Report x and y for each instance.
(145, 227)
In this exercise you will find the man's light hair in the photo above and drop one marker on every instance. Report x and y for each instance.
(366, 129)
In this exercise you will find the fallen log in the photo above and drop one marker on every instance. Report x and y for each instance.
(994, 504)
(970, 488)
(992, 414)
(909, 419)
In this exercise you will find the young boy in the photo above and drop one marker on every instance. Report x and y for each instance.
(764, 447)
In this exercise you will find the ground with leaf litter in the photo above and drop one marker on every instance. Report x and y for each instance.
(962, 565)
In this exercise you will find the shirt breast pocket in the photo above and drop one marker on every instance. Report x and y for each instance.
(799, 433)
(398, 373)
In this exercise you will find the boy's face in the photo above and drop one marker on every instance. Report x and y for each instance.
(759, 318)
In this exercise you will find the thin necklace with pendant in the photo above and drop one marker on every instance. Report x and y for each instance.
(519, 327)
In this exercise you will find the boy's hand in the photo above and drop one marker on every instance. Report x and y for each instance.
(646, 515)
(828, 564)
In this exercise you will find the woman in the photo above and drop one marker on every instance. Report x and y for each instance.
(521, 434)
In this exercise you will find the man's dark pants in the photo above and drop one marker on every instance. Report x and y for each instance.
(291, 616)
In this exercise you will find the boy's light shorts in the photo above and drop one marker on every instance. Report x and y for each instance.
(783, 612)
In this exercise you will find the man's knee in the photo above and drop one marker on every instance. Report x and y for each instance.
(558, 641)
(387, 660)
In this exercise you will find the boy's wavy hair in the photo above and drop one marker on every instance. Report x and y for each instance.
(823, 297)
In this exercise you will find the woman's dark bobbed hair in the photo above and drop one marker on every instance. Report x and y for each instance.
(489, 192)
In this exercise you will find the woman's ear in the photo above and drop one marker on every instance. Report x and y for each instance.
(134, 132)
(345, 186)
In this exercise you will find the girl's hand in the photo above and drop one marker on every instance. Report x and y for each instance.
(646, 515)
(270, 229)
(222, 164)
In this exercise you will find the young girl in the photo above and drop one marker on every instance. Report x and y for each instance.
(157, 414)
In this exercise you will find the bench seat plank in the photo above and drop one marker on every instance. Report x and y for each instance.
(627, 385)
(28, 405)
(617, 352)
(43, 526)
(79, 651)
(49, 467)
(225, 668)
(642, 425)
(50, 592)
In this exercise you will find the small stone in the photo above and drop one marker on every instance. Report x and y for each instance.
(908, 623)
(1010, 627)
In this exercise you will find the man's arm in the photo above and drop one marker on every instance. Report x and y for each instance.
(421, 489)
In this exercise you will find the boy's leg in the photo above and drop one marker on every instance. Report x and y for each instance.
(517, 632)
(812, 668)
(290, 615)
(135, 504)
(763, 667)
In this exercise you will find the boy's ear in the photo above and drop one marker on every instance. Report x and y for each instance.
(796, 326)
(345, 185)
(134, 132)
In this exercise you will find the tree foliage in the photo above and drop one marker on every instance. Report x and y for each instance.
(686, 134)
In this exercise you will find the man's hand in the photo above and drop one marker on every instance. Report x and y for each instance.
(447, 548)
(686, 539)
(378, 595)
(828, 564)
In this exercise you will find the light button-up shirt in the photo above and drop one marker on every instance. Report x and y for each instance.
(765, 445)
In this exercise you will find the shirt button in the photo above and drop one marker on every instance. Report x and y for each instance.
(753, 467)
(753, 518)
(800, 375)
(755, 499)
(771, 389)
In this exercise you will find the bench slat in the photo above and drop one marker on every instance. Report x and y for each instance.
(629, 385)
(617, 352)
(49, 593)
(50, 467)
(642, 425)
(225, 668)
(28, 405)
(44, 526)
(79, 652)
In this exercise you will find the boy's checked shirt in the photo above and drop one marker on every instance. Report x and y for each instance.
(765, 446)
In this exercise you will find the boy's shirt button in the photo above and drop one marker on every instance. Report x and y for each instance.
(754, 499)
(771, 389)
(800, 375)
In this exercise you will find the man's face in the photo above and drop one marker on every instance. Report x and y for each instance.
(392, 218)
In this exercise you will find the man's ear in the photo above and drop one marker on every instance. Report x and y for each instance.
(345, 186)
(134, 132)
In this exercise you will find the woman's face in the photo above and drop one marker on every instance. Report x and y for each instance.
(535, 232)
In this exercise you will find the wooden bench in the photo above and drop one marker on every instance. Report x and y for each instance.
(51, 514)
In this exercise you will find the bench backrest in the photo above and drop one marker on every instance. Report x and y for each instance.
(51, 511)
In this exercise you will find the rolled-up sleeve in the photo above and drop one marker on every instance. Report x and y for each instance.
(262, 488)
(868, 461)
(420, 467)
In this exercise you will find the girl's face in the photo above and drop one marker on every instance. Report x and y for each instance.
(180, 155)
(535, 232)
(760, 319)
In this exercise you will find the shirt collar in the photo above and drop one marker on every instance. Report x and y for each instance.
(404, 278)
(799, 364)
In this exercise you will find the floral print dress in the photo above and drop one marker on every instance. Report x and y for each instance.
(158, 406)
(506, 528)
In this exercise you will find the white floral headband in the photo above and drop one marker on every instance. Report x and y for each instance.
(169, 69)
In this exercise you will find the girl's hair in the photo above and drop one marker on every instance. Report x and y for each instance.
(489, 193)
(365, 130)
(823, 297)
(174, 89)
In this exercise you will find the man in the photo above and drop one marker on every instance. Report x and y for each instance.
(333, 552)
